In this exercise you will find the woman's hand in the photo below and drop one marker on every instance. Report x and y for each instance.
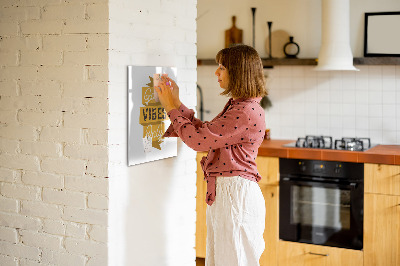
(165, 96)
(175, 91)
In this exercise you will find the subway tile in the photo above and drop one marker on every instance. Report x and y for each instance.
(374, 83)
(323, 122)
(336, 96)
(362, 125)
(389, 110)
(375, 123)
(310, 82)
(323, 109)
(375, 110)
(362, 84)
(298, 71)
(310, 95)
(389, 97)
(349, 132)
(349, 121)
(336, 83)
(335, 108)
(285, 71)
(348, 109)
(389, 123)
(298, 120)
(388, 71)
(349, 96)
(323, 95)
(311, 122)
(298, 83)
(389, 136)
(310, 108)
(336, 121)
(398, 136)
(362, 97)
(325, 131)
(389, 84)
(398, 74)
(323, 82)
(362, 133)
(362, 110)
(375, 97)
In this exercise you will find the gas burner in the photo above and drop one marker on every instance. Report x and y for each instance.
(353, 144)
(322, 142)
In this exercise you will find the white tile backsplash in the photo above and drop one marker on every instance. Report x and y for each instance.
(363, 103)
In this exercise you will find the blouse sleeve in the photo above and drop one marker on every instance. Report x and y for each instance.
(187, 113)
(231, 128)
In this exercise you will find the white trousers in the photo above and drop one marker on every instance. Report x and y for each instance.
(235, 223)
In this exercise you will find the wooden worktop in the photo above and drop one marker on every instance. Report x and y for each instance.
(380, 154)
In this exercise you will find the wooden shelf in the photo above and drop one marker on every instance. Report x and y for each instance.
(377, 61)
(269, 63)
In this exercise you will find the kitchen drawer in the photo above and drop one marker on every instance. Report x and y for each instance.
(382, 179)
(299, 254)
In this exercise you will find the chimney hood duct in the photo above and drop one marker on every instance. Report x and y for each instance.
(335, 53)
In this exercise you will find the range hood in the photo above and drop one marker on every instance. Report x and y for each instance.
(335, 52)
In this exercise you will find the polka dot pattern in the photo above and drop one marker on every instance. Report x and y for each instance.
(232, 139)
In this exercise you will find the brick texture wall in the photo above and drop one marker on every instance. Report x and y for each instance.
(53, 132)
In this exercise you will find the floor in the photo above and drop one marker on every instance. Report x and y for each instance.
(200, 262)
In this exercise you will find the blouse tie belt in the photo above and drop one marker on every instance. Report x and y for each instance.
(210, 196)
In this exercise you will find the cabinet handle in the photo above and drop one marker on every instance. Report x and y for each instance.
(318, 254)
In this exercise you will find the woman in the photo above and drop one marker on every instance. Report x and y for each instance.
(236, 211)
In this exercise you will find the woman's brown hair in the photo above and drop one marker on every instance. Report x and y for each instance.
(245, 69)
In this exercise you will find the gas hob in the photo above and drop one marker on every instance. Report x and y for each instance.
(327, 142)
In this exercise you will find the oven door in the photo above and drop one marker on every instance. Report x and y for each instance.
(321, 212)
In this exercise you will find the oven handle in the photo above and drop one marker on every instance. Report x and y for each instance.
(310, 182)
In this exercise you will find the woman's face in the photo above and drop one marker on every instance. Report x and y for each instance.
(223, 76)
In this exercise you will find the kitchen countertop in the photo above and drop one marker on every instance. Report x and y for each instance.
(380, 154)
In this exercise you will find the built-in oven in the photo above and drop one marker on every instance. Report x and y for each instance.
(321, 202)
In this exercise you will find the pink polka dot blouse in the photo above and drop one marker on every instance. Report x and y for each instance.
(232, 139)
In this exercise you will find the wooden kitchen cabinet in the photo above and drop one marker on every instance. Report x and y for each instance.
(271, 232)
(382, 179)
(382, 215)
(201, 205)
(269, 170)
(300, 254)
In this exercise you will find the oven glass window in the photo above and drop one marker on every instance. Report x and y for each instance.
(321, 207)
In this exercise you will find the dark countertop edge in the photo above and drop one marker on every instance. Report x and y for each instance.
(380, 154)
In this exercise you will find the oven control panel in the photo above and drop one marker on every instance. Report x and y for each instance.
(317, 168)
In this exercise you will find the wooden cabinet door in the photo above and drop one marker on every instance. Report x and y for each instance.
(381, 230)
(382, 179)
(271, 232)
(201, 205)
(268, 167)
(299, 254)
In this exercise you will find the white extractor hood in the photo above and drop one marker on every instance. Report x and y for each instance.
(335, 52)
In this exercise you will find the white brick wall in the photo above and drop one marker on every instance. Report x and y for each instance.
(152, 205)
(53, 136)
